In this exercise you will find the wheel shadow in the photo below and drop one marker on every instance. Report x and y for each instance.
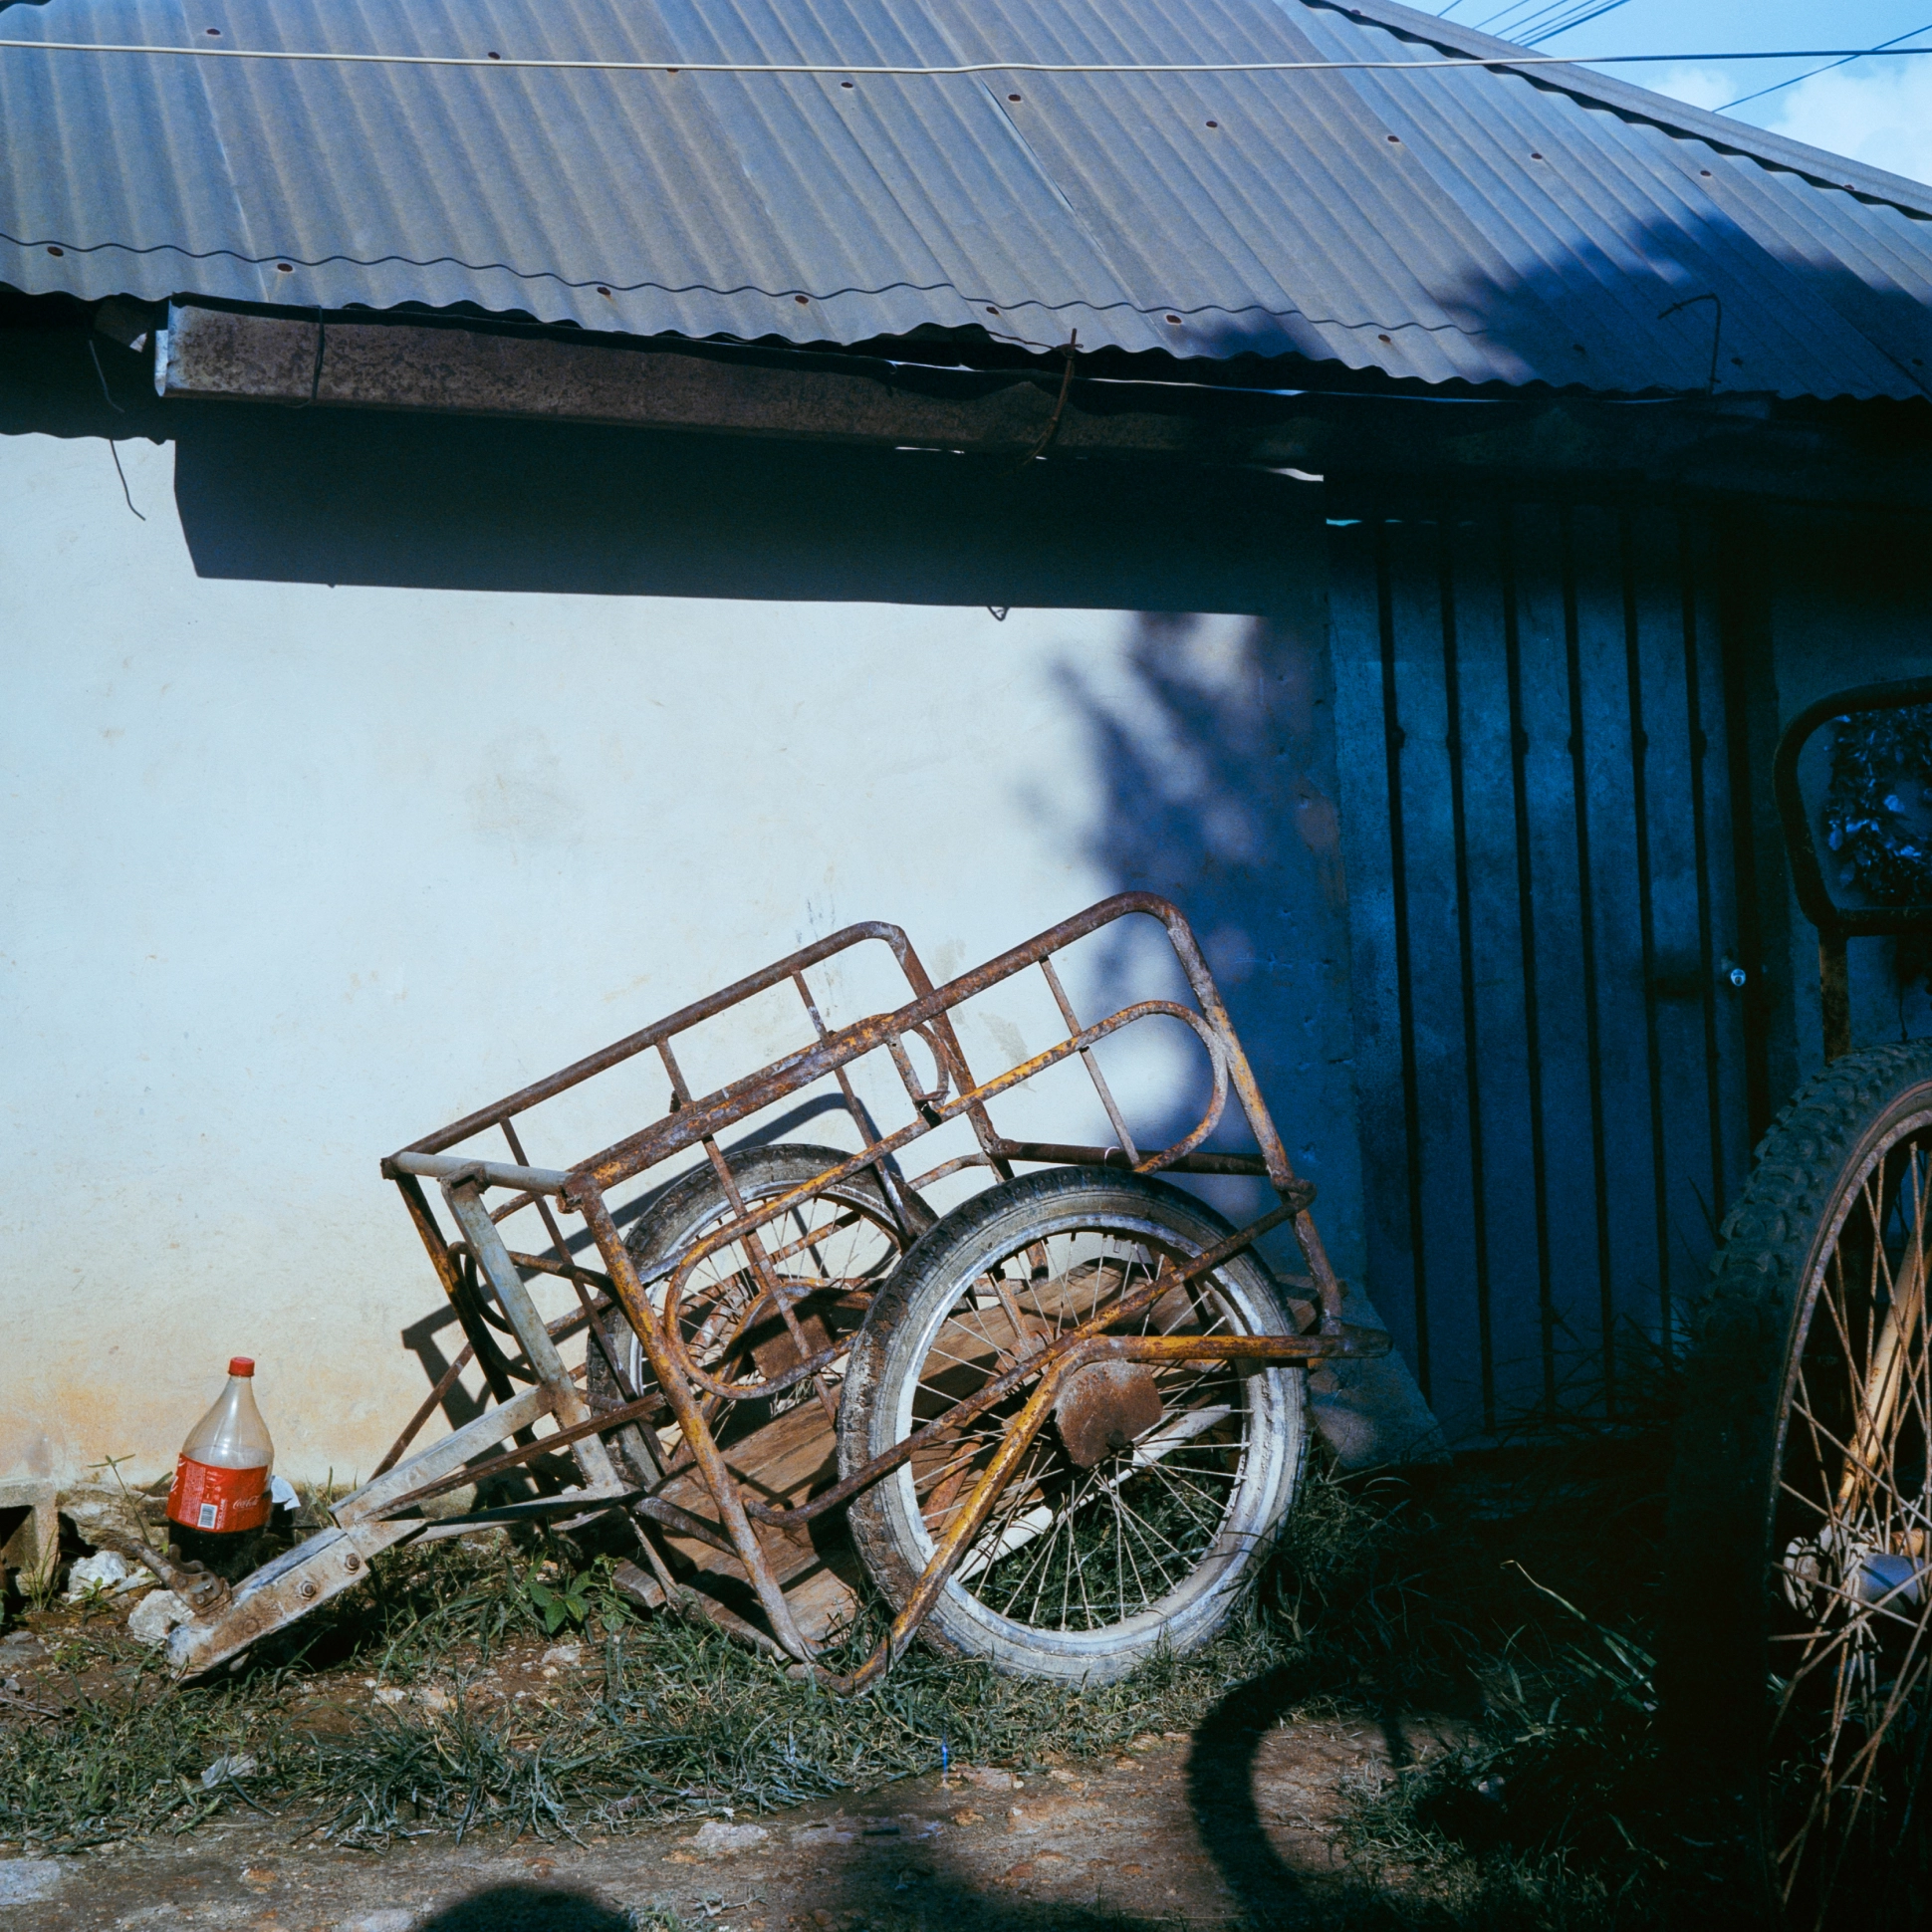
(528, 1908)
(913, 1886)
(1221, 1798)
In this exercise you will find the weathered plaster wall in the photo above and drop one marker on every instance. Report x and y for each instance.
(295, 872)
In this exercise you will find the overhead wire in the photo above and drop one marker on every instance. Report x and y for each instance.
(939, 71)
(1779, 85)
(1570, 13)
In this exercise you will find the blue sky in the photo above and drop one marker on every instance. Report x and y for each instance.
(1877, 110)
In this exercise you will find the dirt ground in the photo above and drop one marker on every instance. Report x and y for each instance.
(1234, 1822)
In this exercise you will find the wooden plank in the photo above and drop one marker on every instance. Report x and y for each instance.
(1361, 716)
(1682, 968)
(1723, 444)
(1439, 1130)
(1569, 1313)
(1493, 988)
(1624, 1220)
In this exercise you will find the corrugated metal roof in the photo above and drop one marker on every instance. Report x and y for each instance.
(1446, 225)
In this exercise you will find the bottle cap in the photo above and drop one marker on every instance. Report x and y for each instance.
(240, 1365)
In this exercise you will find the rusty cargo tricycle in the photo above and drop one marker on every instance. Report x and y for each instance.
(1055, 1425)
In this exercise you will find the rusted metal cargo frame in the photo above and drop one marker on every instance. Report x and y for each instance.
(480, 1259)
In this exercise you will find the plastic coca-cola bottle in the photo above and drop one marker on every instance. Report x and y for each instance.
(221, 1493)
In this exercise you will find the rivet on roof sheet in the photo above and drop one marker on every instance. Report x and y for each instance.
(1013, 97)
(845, 84)
(991, 311)
(51, 250)
(1176, 319)
(801, 298)
(1214, 124)
(214, 33)
(1705, 172)
(602, 291)
(1396, 140)
(494, 55)
(1534, 155)
(285, 268)
(1382, 338)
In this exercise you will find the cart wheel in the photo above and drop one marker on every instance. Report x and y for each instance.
(847, 1235)
(1799, 1660)
(1139, 1513)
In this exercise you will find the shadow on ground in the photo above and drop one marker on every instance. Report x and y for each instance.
(527, 1908)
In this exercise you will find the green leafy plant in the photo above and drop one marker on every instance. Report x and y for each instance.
(567, 1600)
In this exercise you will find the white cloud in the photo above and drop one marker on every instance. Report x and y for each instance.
(1702, 86)
(1878, 112)
(1881, 115)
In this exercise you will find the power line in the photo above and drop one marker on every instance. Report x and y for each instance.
(1520, 16)
(1577, 17)
(1503, 63)
(1777, 86)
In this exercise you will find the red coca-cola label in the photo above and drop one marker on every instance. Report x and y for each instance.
(205, 1498)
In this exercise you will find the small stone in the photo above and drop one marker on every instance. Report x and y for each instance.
(715, 1841)
(434, 1700)
(565, 1656)
(834, 1830)
(22, 1880)
(988, 1778)
(156, 1615)
(391, 1694)
(240, 1765)
(969, 1817)
(393, 1918)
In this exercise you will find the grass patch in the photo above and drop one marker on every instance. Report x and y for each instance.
(1509, 1599)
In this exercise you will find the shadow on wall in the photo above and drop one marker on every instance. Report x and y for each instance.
(1215, 767)
(1214, 770)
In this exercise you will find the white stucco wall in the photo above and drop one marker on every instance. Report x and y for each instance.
(295, 873)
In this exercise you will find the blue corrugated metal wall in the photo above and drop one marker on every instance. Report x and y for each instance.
(1552, 1059)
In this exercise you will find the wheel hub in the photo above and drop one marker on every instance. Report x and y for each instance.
(1104, 1407)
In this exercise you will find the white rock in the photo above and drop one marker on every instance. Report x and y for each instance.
(22, 1880)
(435, 1700)
(391, 1694)
(565, 1655)
(223, 1769)
(393, 1918)
(104, 1575)
(715, 1841)
(156, 1615)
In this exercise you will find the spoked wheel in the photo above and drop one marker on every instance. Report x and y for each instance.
(1807, 1410)
(834, 1251)
(1143, 1506)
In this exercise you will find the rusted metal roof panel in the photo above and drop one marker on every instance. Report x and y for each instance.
(1444, 225)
